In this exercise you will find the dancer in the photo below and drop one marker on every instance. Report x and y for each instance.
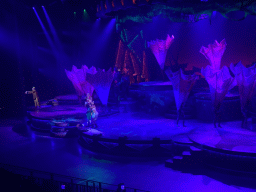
(94, 116)
(35, 97)
(216, 111)
(180, 113)
(219, 79)
(125, 82)
(88, 115)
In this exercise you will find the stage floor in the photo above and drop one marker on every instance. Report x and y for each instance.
(141, 126)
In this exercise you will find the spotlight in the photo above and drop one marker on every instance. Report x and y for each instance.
(33, 7)
(42, 6)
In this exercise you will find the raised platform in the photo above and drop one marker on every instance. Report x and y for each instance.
(62, 120)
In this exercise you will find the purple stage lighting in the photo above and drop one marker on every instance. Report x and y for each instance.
(56, 39)
(45, 31)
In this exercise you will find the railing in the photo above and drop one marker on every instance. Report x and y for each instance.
(59, 183)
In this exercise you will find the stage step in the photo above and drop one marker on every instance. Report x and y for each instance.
(195, 148)
(169, 163)
(178, 157)
(186, 153)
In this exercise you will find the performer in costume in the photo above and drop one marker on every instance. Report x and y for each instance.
(89, 115)
(180, 113)
(94, 115)
(125, 82)
(35, 97)
(88, 98)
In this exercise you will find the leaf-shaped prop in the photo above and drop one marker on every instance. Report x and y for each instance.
(220, 82)
(245, 78)
(160, 48)
(72, 77)
(214, 53)
(182, 85)
(78, 78)
(101, 81)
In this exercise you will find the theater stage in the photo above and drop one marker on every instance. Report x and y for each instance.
(128, 130)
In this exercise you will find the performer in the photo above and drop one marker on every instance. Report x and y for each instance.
(94, 115)
(88, 99)
(180, 112)
(35, 97)
(216, 110)
(125, 82)
(88, 115)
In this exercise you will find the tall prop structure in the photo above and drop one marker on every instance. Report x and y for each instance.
(220, 81)
(101, 81)
(182, 85)
(160, 48)
(245, 78)
(214, 53)
(78, 79)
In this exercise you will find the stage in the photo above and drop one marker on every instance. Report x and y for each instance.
(133, 128)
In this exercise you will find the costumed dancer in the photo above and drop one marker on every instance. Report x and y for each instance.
(88, 99)
(117, 83)
(219, 79)
(88, 115)
(220, 82)
(35, 97)
(94, 116)
(125, 82)
(88, 104)
(181, 114)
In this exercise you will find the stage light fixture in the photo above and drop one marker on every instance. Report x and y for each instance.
(42, 6)
(33, 7)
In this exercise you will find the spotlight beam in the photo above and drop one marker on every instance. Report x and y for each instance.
(45, 31)
(56, 39)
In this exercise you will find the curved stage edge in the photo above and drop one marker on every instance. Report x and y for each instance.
(230, 148)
